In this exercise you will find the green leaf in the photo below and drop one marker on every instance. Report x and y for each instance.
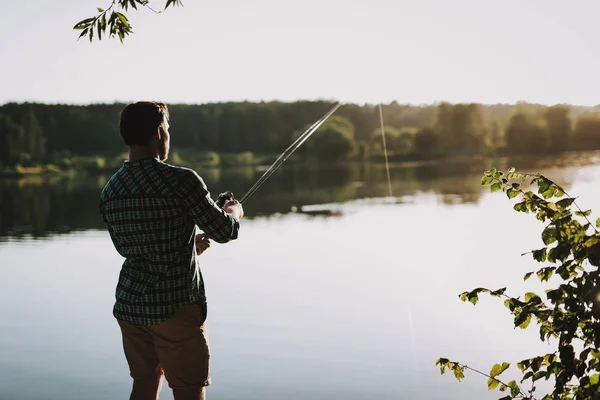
(83, 33)
(522, 320)
(492, 383)
(486, 180)
(522, 207)
(512, 193)
(598, 223)
(539, 375)
(99, 29)
(173, 2)
(514, 388)
(530, 295)
(549, 235)
(496, 187)
(545, 274)
(83, 23)
(497, 369)
(123, 19)
(458, 373)
(539, 255)
(549, 193)
(100, 9)
(565, 203)
(527, 276)
(510, 304)
(591, 241)
(585, 213)
(473, 295)
(523, 365)
(543, 184)
(560, 252)
(595, 379)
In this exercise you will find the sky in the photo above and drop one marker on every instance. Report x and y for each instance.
(359, 51)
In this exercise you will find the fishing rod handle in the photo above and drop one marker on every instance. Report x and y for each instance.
(224, 198)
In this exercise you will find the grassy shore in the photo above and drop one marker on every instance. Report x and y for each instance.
(76, 165)
(107, 163)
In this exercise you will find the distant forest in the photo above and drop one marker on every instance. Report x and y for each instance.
(33, 134)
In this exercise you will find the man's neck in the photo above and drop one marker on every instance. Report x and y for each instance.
(140, 153)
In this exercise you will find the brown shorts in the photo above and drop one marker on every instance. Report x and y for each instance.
(178, 347)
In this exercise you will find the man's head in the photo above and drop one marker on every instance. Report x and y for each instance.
(146, 124)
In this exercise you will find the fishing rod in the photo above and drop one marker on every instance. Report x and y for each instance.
(226, 196)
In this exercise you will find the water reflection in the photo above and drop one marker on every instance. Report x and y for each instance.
(40, 207)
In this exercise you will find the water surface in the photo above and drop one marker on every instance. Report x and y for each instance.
(353, 296)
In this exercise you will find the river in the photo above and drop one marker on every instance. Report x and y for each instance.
(334, 289)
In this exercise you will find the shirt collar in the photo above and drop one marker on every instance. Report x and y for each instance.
(142, 161)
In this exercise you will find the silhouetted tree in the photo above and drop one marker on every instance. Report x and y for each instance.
(461, 127)
(558, 125)
(587, 132)
(12, 141)
(334, 140)
(526, 134)
(426, 141)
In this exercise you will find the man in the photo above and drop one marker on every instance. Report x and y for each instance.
(151, 210)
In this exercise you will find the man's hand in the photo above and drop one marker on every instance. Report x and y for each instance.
(202, 243)
(234, 208)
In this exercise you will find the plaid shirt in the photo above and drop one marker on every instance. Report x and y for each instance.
(151, 210)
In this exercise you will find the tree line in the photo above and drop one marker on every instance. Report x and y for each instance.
(32, 133)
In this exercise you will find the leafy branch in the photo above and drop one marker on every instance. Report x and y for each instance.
(114, 19)
(571, 311)
(493, 382)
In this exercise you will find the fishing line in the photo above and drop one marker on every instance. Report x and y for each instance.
(223, 197)
(387, 165)
(411, 326)
(291, 149)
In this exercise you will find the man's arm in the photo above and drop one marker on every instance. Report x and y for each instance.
(110, 230)
(221, 225)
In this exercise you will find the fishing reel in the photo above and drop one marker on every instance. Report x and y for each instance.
(224, 198)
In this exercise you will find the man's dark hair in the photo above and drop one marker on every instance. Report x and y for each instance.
(139, 121)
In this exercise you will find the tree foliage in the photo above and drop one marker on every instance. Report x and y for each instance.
(559, 127)
(400, 141)
(461, 127)
(568, 312)
(426, 141)
(333, 141)
(526, 134)
(587, 132)
(412, 132)
(114, 19)
(12, 140)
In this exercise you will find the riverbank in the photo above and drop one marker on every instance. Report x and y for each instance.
(102, 165)
(66, 165)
